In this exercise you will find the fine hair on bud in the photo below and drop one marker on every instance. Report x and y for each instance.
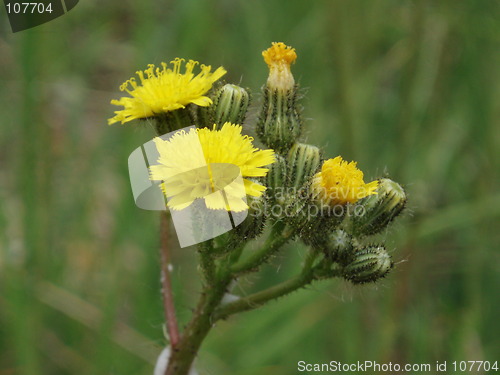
(303, 163)
(337, 245)
(379, 209)
(277, 181)
(230, 104)
(368, 264)
(280, 121)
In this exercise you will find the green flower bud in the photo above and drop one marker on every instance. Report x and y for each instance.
(280, 121)
(368, 265)
(230, 104)
(337, 245)
(303, 161)
(373, 213)
(340, 245)
(288, 184)
(313, 221)
(277, 180)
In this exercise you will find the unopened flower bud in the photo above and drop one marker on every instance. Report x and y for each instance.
(230, 104)
(375, 212)
(336, 245)
(303, 162)
(368, 265)
(277, 179)
(340, 245)
(289, 185)
(280, 121)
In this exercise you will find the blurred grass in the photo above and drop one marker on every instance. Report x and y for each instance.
(404, 87)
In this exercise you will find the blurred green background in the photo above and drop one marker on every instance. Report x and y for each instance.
(403, 87)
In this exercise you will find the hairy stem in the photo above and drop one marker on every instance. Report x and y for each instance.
(310, 273)
(278, 237)
(207, 263)
(260, 298)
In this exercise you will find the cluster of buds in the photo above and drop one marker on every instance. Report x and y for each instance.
(326, 202)
(347, 243)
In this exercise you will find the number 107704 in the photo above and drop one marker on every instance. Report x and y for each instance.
(475, 366)
(28, 8)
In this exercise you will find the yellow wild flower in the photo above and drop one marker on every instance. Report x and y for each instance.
(165, 89)
(278, 58)
(341, 182)
(200, 163)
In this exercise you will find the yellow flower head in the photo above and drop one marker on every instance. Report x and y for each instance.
(165, 89)
(278, 58)
(200, 163)
(340, 182)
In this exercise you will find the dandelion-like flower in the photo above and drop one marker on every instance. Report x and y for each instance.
(165, 89)
(278, 58)
(196, 164)
(341, 182)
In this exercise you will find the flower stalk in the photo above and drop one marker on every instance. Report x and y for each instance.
(258, 299)
(279, 236)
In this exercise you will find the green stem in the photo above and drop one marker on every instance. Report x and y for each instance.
(207, 263)
(278, 237)
(309, 259)
(236, 254)
(308, 275)
(260, 298)
(230, 247)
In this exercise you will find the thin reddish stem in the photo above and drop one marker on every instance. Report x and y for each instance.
(166, 290)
